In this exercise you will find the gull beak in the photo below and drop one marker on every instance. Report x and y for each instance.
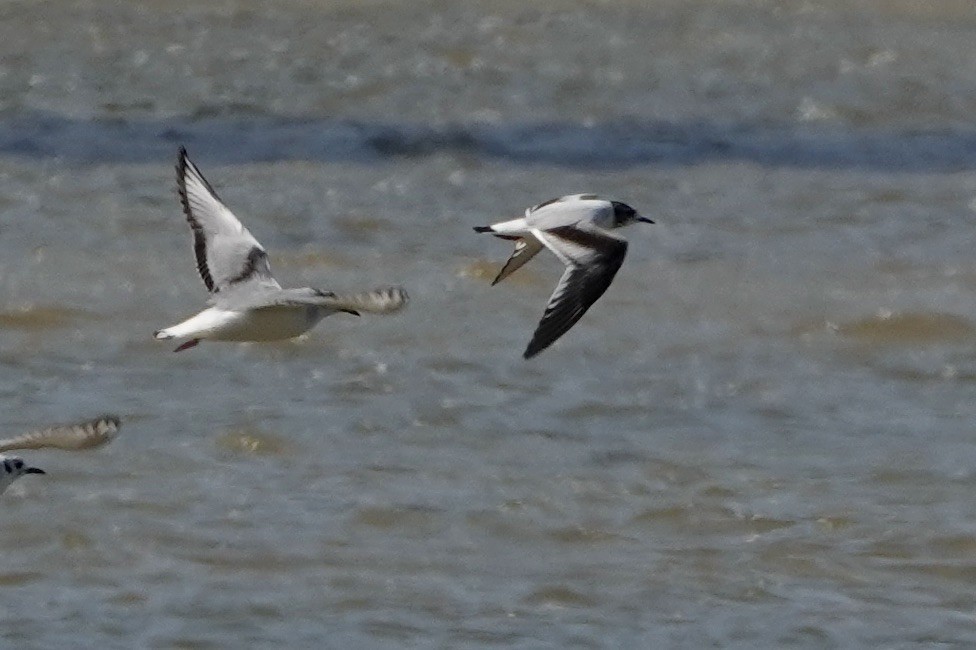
(34, 470)
(644, 220)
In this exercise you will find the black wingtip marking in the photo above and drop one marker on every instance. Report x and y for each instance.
(537, 345)
(482, 229)
(186, 164)
(183, 166)
(200, 251)
(351, 311)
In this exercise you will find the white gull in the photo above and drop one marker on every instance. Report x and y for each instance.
(246, 302)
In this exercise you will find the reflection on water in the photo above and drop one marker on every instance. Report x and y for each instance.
(38, 317)
(910, 328)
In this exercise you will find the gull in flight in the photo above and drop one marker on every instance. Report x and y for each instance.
(576, 228)
(246, 302)
(72, 437)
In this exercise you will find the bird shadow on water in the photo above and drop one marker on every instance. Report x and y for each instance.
(612, 144)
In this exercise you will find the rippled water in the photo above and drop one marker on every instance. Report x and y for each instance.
(761, 436)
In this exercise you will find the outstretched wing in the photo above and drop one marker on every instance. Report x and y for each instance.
(592, 259)
(525, 250)
(568, 211)
(384, 300)
(227, 254)
(84, 435)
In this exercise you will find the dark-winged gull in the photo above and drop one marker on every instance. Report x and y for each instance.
(575, 228)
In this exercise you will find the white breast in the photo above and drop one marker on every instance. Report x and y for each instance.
(266, 324)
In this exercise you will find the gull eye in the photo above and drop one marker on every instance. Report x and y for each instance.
(18, 464)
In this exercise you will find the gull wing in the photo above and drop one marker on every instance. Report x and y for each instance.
(227, 254)
(72, 437)
(568, 211)
(525, 250)
(592, 259)
(384, 300)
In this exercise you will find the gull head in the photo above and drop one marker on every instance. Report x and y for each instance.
(623, 214)
(12, 468)
(17, 468)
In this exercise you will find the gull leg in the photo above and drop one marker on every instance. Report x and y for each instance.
(192, 343)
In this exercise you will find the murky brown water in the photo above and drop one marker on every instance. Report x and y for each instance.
(762, 436)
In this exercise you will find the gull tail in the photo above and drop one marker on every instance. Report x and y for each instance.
(71, 437)
(378, 301)
(500, 230)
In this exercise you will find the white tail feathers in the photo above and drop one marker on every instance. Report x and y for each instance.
(378, 301)
(71, 437)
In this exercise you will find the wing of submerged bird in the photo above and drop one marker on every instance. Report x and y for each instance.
(72, 437)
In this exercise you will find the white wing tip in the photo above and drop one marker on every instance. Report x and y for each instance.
(392, 298)
(99, 431)
(106, 424)
(71, 437)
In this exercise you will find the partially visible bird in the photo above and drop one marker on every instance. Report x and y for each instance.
(72, 437)
(12, 468)
(576, 229)
(246, 302)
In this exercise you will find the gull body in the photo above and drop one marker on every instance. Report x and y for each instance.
(267, 324)
(576, 228)
(246, 302)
